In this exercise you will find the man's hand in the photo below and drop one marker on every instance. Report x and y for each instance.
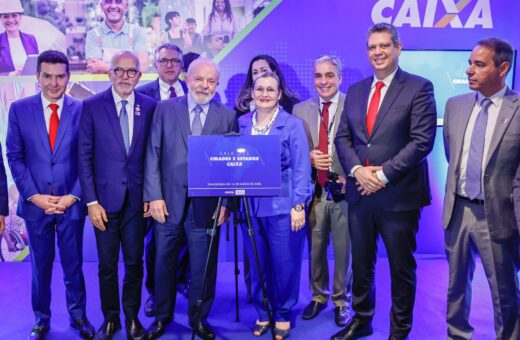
(2, 224)
(66, 201)
(98, 216)
(50, 204)
(297, 219)
(158, 210)
(320, 160)
(223, 216)
(343, 181)
(96, 66)
(146, 209)
(367, 180)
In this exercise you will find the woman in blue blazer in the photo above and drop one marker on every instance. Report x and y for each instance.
(278, 222)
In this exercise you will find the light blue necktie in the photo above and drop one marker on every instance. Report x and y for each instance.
(476, 153)
(123, 122)
(196, 125)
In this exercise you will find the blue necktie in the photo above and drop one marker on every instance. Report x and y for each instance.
(196, 125)
(123, 122)
(476, 152)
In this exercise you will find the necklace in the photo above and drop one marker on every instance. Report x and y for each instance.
(264, 130)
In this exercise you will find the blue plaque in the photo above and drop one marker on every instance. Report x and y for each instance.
(234, 166)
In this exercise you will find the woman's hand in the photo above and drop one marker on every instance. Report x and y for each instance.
(297, 218)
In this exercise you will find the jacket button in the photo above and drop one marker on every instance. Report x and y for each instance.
(369, 145)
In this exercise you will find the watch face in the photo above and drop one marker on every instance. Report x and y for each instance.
(298, 208)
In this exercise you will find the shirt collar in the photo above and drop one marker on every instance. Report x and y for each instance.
(333, 100)
(164, 85)
(118, 99)
(46, 102)
(124, 29)
(496, 98)
(387, 80)
(192, 104)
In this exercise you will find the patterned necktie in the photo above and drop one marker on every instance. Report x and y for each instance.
(196, 125)
(323, 141)
(374, 107)
(476, 152)
(53, 124)
(123, 122)
(173, 94)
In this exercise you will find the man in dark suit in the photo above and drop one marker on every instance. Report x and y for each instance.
(168, 63)
(112, 141)
(4, 197)
(42, 139)
(328, 214)
(166, 181)
(481, 140)
(386, 131)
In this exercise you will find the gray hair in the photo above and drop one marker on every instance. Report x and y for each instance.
(171, 47)
(123, 54)
(332, 59)
(203, 60)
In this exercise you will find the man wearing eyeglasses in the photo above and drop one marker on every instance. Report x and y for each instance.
(168, 63)
(112, 35)
(112, 139)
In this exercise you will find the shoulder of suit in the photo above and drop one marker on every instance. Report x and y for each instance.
(461, 97)
(223, 108)
(97, 97)
(413, 77)
(27, 100)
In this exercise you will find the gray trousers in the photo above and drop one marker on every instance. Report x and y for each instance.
(326, 218)
(467, 235)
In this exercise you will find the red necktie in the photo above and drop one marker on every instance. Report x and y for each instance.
(373, 107)
(173, 94)
(323, 141)
(53, 124)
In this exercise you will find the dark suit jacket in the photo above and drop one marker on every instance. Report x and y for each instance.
(502, 165)
(35, 168)
(402, 137)
(4, 194)
(6, 61)
(166, 173)
(153, 90)
(106, 171)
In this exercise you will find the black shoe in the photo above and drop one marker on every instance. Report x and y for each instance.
(156, 329)
(312, 310)
(204, 330)
(341, 315)
(38, 332)
(85, 328)
(149, 306)
(354, 330)
(134, 330)
(107, 330)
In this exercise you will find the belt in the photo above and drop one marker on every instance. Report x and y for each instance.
(474, 201)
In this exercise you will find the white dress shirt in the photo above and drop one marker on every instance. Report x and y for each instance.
(129, 111)
(47, 110)
(333, 121)
(191, 105)
(493, 110)
(165, 89)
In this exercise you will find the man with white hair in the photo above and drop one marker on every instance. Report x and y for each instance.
(165, 187)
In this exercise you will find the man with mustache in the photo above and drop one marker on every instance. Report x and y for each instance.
(328, 211)
(112, 141)
(481, 139)
(112, 35)
(386, 131)
(166, 182)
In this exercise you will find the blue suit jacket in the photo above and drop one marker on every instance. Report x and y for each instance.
(402, 137)
(4, 195)
(152, 89)
(106, 171)
(166, 174)
(35, 168)
(297, 183)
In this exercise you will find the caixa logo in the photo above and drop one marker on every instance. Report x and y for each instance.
(436, 14)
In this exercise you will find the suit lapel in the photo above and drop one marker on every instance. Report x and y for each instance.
(39, 119)
(138, 121)
(212, 119)
(111, 111)
(156, 90)
(460, 118)
(507, 111)
(66, 115)
(365, 93)
(337, 119)
(391, 94)
(184, 119)
(314, 120)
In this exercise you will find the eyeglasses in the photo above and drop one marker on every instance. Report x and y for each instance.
(113, 1)
(119, 72)
(271, 91)
(166, 61)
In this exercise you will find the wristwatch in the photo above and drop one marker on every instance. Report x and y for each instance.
(298, 207)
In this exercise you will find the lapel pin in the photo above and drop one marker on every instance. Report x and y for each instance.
(504, 120)
(137, 110)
